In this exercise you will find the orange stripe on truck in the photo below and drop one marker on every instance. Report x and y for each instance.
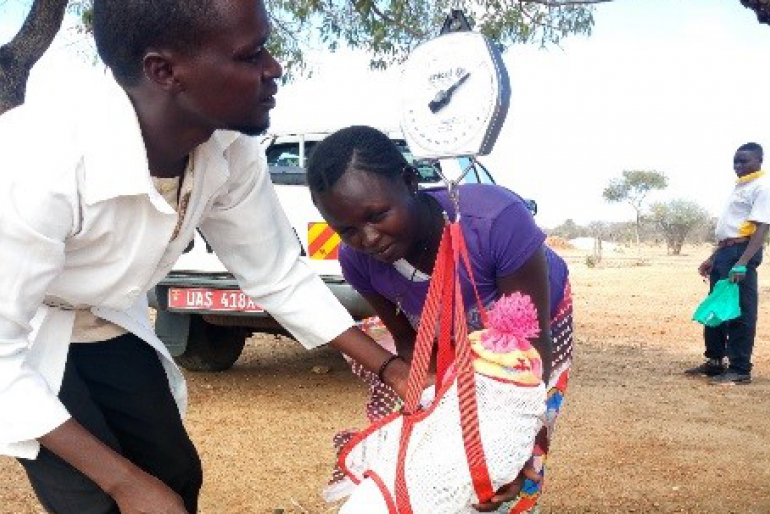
(323, 242)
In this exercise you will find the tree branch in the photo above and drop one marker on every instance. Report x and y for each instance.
(532, 18)
(22, 52)
(563, 3)
(387, 19)
(282, 26)
(761, 8)
(39, 29)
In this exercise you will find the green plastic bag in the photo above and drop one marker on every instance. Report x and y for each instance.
(723, 304)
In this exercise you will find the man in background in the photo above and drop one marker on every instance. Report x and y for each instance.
(740, 234)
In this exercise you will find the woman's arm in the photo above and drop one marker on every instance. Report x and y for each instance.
(397, 324)
(532, 279)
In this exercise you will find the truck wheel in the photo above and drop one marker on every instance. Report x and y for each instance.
(211, 347)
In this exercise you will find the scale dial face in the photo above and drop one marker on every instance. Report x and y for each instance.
(455, 96)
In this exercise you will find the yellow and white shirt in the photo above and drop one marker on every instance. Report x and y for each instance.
(749, 204)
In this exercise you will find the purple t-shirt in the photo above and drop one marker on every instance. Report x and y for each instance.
(500, 234)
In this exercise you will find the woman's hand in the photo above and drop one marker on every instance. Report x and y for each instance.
(509, 491)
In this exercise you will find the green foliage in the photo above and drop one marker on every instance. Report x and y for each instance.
(676, 220)
(83, 9)
(634, 186)
(568, 230)
(389, 30)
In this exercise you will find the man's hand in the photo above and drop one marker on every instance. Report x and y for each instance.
(509, 491)
(705, 268)
(135, 491)
(142, 493)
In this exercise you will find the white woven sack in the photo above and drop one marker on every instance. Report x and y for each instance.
(436, 468)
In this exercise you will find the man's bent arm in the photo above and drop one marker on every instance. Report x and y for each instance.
(364, 350)
(755, 244)
(132, 489)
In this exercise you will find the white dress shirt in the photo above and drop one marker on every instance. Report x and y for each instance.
(81, 226)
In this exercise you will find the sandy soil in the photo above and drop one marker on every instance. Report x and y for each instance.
(635, 436)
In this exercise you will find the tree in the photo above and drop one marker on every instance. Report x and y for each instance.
(599, 231)
(761, 8)
(19, 55)
(387, 30)
(676, 220)
(568, 230)
(633, 188)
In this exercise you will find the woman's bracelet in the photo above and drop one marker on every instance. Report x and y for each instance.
(384, 366)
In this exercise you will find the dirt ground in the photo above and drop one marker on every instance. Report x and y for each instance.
(635, 434)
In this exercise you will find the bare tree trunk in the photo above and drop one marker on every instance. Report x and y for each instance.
(638, 237)
(23, 51)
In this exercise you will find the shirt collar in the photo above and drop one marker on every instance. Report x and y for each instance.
(750, 177)
(114, 155)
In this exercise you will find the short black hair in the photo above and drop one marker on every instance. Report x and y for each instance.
(357, 147)
(753, 147)
(125, 29)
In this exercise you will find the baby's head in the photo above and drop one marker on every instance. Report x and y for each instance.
(503, 350)
(367, 191)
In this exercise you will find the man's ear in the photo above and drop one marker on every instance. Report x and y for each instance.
(158, 67)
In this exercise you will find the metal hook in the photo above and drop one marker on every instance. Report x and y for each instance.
(456, 20)
(453, 186)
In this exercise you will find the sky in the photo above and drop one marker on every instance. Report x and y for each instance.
(668, 85)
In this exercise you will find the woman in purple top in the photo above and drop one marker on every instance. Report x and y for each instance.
(368, 193)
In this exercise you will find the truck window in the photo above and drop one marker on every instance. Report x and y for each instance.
(285, 163)
(283, 154)
(427, 175)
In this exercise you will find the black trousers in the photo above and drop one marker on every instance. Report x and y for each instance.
(735, 339)
(118, 390)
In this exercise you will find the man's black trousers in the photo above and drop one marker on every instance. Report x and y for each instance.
(735, 339)
(118, 390)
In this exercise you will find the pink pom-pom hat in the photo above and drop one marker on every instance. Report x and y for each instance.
(512, 322)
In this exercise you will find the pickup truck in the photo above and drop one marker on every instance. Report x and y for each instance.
(202, 316)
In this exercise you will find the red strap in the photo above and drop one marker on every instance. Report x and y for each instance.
(466, 382)
(426, 331)
(463, 249)
(419, 367)
(445, 354)
(401, 490)
(445, 288)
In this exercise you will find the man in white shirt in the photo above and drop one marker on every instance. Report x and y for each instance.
(740, 234)
(90, 400)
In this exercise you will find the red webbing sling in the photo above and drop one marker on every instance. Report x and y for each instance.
(444, 304)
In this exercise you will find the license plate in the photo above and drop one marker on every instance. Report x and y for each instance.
(204, 299)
